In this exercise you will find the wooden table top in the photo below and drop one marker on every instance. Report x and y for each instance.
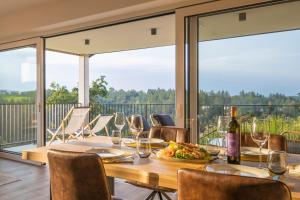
(150, 171)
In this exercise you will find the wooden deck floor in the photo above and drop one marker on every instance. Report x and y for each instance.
(34, 183)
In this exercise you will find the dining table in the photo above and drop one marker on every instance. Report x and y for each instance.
(152, 170)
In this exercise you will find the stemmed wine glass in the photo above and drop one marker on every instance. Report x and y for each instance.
(136, 125)
(222, 127)
(260, 134)
(119, 120)
(277, 163)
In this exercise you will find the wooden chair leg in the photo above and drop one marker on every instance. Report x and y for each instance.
(63, 137)
(71, 136)
(106, 130)
(54, 136)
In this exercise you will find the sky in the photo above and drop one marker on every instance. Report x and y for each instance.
(17, 69)
(265, 64)
(136, 69)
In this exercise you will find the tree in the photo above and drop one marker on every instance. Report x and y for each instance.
(98, 89)
(60, 94)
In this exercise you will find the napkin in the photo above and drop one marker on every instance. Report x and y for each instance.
(119, 160)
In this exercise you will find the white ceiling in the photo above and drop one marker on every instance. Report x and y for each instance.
(10, 6)
(136, 35)
(127, 36)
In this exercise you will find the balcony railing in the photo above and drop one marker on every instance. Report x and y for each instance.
(284, 119)
(18, 121)
(17, 124)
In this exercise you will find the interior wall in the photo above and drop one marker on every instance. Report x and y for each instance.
(67, 15)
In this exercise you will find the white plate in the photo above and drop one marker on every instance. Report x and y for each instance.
(240, 170)
(106, 152)
(253, 151)
(152, 141)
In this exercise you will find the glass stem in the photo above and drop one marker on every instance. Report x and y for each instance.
(260, 156)
(137, 136)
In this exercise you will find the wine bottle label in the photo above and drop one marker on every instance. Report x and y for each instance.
(233, 144)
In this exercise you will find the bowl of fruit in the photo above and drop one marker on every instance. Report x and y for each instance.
(184, 152)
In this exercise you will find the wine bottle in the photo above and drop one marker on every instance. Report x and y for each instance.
(233, 139)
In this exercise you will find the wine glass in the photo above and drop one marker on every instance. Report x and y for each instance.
(222, 127)
(277, 163)
(143, 147)
(119, 120)
(260, 134)
(136, 125)
(116, 137)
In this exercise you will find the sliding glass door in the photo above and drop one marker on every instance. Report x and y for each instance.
(243, 57)
(20, 98)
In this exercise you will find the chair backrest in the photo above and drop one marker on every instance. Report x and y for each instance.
(170, 133)
(77, 176)
(276, 142)
(201, 185)
(145, 123)
(161, 120)
(101, 123)
(77, 119)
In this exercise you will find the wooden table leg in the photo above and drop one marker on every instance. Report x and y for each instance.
(111, 183)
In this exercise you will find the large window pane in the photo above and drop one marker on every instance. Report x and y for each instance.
(252, 63)
(130, 67)
(62, 74)
(18, 123)
(140, 82)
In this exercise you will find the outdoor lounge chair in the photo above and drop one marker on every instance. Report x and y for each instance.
(72, 125)
(101, 123)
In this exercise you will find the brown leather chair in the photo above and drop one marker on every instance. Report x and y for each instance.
(201, 185)
(77, 176)
(276, 142)
(167, 133)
